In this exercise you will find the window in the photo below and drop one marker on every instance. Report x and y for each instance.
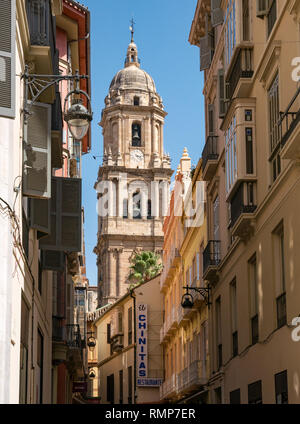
(274, 115)
(218, 395)
(230, 31)
(7, 58)
(136, 205)
(253, 299)
(234, 318)
(231, 157)
(136, 135)
(279, 274)
(121, 387)
(24, 352)
(136, 101)
(281, 388)
(211, 119)
(130, 385)
(108, 338)
(194, 270)
(130, 326)
(110, 389)
(120, 322)
(272, 16)
(40, 366)
(249, 151)
(255, 393)
(235, 397)
(246, 21)
(219, 332)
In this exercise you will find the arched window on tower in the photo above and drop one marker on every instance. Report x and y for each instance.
(136, 135)
(136, 213)
(136, 101)
(149, 216)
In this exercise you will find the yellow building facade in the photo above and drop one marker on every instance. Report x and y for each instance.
(184, 334)
(248, 52)
(129, 355)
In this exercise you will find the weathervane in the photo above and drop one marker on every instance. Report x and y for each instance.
(132, 29)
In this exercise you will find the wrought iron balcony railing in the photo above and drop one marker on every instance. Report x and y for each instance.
(211, 254)
(289, 119)
(243, 68)
(242, 201)
(73, 336)
(210, 151)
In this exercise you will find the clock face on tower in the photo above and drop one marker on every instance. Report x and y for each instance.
(137, 157)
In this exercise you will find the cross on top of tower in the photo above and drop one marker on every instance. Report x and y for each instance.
(132, 29)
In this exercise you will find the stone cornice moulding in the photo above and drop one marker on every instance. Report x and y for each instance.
(269, 62)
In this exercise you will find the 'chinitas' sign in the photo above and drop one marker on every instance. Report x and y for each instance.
(142, 342)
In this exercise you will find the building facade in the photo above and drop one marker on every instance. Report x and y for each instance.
(135, 173)
(184, 334)
(38, 330)
(130, 364)
(249, 161)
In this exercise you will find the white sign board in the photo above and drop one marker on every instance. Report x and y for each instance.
(142, 341)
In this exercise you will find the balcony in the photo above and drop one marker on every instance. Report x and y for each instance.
(192, 377)
(289, 129)
(242, 210)
(42, 38)
(74, 343)
(211, 260)
(210, 157)
(239, 80)
(184, 315)
(171, 264)
(169, 388)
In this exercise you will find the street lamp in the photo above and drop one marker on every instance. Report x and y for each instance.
(78, 117)
(187, 301)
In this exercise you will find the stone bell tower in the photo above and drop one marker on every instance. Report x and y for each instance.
(134, 163)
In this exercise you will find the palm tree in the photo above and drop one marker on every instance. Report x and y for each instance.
(144, 267)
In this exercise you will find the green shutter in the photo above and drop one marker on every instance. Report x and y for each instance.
(66, 216)
(7, 58)
(40, 216)
(37, 152)
(221, 93)
(217, 16)
(262, 8)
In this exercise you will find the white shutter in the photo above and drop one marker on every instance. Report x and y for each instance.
(37, 152)
(7, 57)
(217, 15)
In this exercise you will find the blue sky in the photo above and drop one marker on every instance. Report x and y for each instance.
(161, 34)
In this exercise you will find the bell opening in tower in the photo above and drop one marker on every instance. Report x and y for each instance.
(136, 135)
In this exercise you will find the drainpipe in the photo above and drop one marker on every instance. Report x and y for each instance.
(134, 329)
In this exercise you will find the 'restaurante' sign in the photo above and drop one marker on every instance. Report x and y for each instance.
(141, 340)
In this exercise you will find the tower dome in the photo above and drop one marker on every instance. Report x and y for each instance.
(131, 81)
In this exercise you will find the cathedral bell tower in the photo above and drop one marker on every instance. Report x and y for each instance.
(134, 159)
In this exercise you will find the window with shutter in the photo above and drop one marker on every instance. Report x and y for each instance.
(66, 222)
(40, 216)
(206, 47)
(37, 153)
(217, 15)
(52, 260)
(221, 93)
(262, 8)
(7, 58)
(211, 119)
